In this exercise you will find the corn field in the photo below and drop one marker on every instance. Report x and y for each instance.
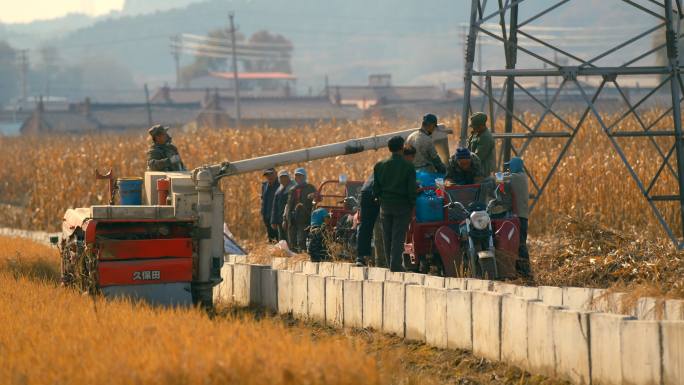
(42, 176)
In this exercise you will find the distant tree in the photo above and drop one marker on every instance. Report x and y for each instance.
(204, 64)
(9, 73)
(276, 45)
(101, 73)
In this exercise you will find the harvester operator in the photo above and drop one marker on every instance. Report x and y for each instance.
(481, 142)
(426, 158)
(162, 155)
(464, 168)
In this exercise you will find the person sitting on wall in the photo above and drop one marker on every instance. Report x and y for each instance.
(316, 245)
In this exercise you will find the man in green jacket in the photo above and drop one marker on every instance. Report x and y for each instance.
(481, 143)
(395, 186)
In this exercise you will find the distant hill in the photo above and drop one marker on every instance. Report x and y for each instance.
(416, 41)
(137, 7)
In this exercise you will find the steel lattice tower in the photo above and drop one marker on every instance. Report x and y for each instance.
(518, 135)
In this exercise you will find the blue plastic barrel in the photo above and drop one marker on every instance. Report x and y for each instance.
(427, 179)
(429, 207)
(130, 191)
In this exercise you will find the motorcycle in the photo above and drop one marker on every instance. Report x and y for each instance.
(482, 239)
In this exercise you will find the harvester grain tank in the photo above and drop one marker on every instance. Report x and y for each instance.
(171, 251)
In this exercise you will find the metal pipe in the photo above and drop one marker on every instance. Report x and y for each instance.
(579, 71)
(203, 185)
(468, 71)
(673, 59)
(511, 59)
(352, 146)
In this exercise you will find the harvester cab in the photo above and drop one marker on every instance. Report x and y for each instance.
(164, 242)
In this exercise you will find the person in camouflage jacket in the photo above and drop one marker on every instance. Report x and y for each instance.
(162, 155)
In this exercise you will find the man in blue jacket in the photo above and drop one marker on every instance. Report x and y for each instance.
(268, 189)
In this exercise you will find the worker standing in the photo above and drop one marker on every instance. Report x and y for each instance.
(521, 209)
(481, 142)
(464, 168)
(426, 158)
(268, 189)
(370, 208)
(298, 210)
(394, 183)
(162, 155)
(279, 202)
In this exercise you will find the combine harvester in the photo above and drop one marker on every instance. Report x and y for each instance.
(169, 250)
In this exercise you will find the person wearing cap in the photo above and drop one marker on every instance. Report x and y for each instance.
(394, 183)
(162, 155)
(279, 202)
(268, 190)
(316, 245)
(519, 186)
(298, 211)
(426, 158)
(464, 168)
(481, 142)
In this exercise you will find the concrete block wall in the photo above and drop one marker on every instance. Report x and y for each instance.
(569, 333)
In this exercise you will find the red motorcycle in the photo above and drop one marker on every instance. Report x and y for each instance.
(474, 239)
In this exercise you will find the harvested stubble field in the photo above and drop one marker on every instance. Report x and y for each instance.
(591, 227)
(53, 335)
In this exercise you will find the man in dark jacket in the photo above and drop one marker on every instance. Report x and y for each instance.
(279, 202)
(268, 189)
(464, 168)
(370, 208)
(162, 155)
(395, 186)
(298, 211)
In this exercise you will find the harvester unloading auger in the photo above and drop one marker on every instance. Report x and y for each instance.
(170, 250)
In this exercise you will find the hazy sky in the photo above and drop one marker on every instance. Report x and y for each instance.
(28, 10)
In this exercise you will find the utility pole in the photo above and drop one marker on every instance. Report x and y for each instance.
(24, 74)
(176, 47)
(148, 107)
(238, 118)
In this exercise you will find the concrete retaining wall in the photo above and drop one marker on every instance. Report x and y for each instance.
(334, 301)
(568, 333)
(415, 313)
(486, 313)
(373, 304)
(353, 303)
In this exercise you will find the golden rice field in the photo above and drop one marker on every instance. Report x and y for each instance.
(54, 335)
